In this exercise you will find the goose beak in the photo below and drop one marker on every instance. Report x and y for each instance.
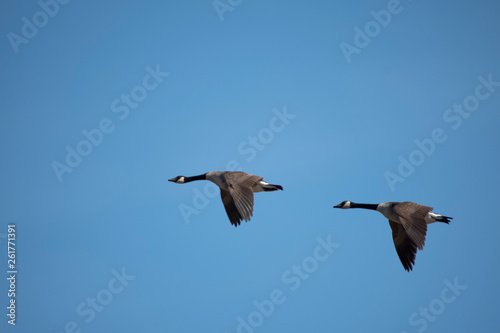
(172, 180)
(338, 206)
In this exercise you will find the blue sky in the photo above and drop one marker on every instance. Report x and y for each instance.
(103, 102)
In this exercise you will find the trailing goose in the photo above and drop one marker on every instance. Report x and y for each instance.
(408, 221)
(236, 190)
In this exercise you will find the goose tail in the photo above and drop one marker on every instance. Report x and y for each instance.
(444, 219)
(271, 187)
(433, 217)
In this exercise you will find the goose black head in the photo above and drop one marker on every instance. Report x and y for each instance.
(343, 205)
(178, 180)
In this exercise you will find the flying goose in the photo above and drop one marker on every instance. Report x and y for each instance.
(236, 191)
(408, 221)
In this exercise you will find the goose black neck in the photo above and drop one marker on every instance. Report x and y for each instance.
(365, 206)
(199, 177)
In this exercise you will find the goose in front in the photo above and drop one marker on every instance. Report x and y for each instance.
(236, 191)
(408, 221)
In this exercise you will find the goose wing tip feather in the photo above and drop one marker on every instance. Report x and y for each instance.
(405, 247)
(231, 210)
